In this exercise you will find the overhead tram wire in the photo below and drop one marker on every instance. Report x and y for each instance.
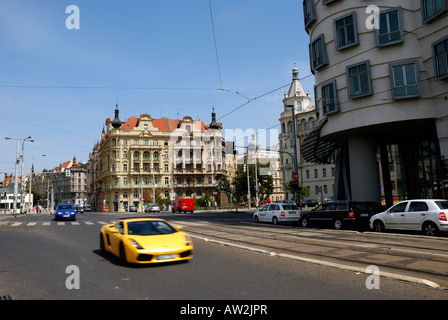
(251, 100)
(214, 40)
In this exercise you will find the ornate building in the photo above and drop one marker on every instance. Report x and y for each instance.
(143, 159)
(318, 178)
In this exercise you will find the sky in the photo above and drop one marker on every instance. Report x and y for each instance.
(170, 58)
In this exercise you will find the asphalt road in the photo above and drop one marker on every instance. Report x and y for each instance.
(34, 258)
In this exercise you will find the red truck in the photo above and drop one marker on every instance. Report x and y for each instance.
(183, 204)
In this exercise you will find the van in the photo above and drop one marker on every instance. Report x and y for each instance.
(183, 204)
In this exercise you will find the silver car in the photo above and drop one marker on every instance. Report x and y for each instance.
(278, 213)
(152, 208)
(427, 215)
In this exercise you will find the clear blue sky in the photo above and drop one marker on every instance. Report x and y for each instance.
(157, 57)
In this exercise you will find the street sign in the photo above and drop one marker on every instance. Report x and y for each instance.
(295, 176)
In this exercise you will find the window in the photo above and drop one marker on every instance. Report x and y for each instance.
(405, 81)
(329, 97)
(359, 83)
(431, 9)
(318, 53)
(309, 12)
(346, 33)
(391, 27)
(401, 207)
(418, 206)
(440, 56)
(327, 1)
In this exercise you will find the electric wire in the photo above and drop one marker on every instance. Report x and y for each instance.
(214, 40)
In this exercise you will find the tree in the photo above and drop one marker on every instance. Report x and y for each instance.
(265, 182)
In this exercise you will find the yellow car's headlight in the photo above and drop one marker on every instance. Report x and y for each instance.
(188, 241)
(135, 244)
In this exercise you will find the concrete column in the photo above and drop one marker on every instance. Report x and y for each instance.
(364, 172)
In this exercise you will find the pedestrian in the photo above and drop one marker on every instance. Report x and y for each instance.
(216, 205)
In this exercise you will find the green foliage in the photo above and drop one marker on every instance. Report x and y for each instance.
(265, 183)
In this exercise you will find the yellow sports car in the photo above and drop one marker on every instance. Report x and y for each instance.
(144, 240)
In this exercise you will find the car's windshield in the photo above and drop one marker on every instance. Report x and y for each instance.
(146, 228)
(442, 204)
(65, 206)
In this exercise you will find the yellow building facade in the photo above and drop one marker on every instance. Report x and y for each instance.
(144, 159)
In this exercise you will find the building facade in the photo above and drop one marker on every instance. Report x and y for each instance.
(381, 76)
(144, 159)
(317, 177)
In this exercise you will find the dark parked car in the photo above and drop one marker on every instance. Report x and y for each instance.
(309, 203)
(340, 214)
(79, 209)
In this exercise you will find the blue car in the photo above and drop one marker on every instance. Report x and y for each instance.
(65, 211)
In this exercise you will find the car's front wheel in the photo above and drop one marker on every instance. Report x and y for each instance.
(123, 254)
(304, 223)
(378, 226)
(275, 221)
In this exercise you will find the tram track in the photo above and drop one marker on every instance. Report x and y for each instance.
(408, 254)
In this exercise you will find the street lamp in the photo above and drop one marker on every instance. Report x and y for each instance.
(16, 170)
(296, 167)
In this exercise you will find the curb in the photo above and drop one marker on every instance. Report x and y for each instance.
(389, 275)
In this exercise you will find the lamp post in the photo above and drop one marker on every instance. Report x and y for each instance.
(22, 186)
(296, 167)
(16, 170)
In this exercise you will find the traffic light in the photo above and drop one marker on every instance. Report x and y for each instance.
(295, 185)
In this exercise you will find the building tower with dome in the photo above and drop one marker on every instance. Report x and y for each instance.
(318, 178)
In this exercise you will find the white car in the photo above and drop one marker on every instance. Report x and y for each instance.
(278, 213)
(428, 215)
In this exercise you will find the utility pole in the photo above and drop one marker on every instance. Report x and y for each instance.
(294, 145)
(16, 171)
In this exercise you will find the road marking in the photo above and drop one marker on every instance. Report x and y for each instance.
(191, 224)
(15, 224)
(46, 223)
(89, 223)
(31, 223)
(102, 222)
(61, 223)
(75, 223)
